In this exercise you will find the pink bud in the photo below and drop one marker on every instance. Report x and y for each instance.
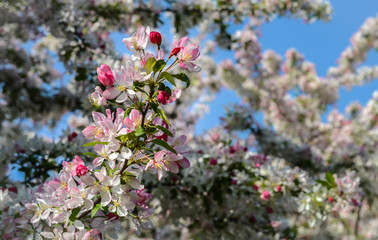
(265, 195)
(105, 75)
(81, 170)
(213, 161)
(175, 51)
(255, 187)
(234, 182)
(232, 150)
(155, 38)
(279, 188)
(163, 97)
(330, 199)
(72, 136)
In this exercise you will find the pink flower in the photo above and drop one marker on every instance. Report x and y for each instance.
(265, 195)
(166, 161)
(163, 97)
(186, 52)
(71, 167)
(92, 234)
(187, 55)
(97, 97)
(105, 75)
(123, 88)
(155, 38)
(81, 170)
(138, 41)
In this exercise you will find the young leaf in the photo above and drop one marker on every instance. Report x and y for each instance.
(74, 214)
(149, 64)
(125, 138)
(164, 130)
(139, 131)
(330, 179)
(159, 65)
(182, 77)
(169, 77)
(95, 209)
(94, 144)
(162, 115)
(164, 145)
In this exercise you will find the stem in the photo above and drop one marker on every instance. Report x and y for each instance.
(115, 104)
(172, 65)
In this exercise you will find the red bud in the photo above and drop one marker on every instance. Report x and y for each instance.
(175, 51)
(163, 97)
(155, 38)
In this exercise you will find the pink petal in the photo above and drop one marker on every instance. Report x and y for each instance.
(172, 166)
(160, 155)
(184, 163)
(89, 131)
(111, 93)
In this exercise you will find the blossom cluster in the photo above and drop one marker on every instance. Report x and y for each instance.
(86, 200)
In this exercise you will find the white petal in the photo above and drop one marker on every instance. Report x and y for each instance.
(121, 98)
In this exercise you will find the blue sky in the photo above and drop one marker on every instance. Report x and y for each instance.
(320, 42)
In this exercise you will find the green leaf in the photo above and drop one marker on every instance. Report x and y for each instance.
(94, 144)
(154, 106)
(183, 77)
(162, 115)
(330, 179)
(127, 112)
(159, 65)
(164, 130)
(139, 131)
(164, 145)
(168, 77)
(90, 154)
(150, 129)
(125, 138)
(95, 209)
(322, 182)
(74, 214)
(139, 87)
(149, 64)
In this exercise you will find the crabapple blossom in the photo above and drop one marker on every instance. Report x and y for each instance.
(139, 40)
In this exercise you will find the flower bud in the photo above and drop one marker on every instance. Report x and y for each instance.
(81, 170)
(213, 162)
(269, 210)
(105, 75)
(155, 38)
(265, 195)
(13, 189)
(175, 51)
(163, 97)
